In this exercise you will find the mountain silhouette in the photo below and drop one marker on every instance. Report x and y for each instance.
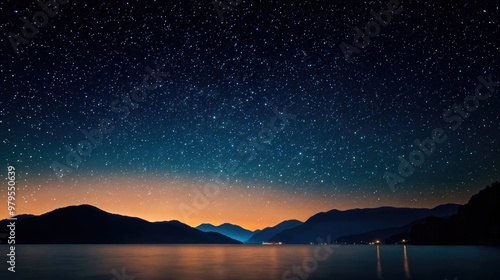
(476, 223)
(395, 234)
(233, 231)
(18, 217)
(336, 223)
(86, 224)
(267, 233)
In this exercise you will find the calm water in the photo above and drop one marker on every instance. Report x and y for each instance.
(240, 262)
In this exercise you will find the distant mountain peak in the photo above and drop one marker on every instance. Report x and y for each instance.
(229, 224)
(233, 231)
(83, 207)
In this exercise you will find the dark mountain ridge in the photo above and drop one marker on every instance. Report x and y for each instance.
(336, 223)
(86, 224)
(269, 232)
(233, 231)
(476, 223)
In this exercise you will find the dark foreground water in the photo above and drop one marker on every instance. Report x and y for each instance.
(240, 262)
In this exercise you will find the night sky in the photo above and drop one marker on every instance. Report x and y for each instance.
(264, 105)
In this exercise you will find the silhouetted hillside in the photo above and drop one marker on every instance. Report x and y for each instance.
(234, 231)
(269, 232)
(337, 223)
(477, 222)
(86, 224)
(378, 234)
(395, 234)
(5, 222)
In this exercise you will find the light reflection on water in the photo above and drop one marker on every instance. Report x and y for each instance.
(407, 266)
(241, 262)
(379, 264)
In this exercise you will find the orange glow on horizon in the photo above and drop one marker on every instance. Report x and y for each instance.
(162, 199)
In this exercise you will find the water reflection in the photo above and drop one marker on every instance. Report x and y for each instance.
(406, 266)
(379, 264)
(247, 262)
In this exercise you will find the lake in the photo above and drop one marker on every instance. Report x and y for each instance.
(241, 262)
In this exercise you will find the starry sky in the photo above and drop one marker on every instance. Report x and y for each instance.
(262, 104)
